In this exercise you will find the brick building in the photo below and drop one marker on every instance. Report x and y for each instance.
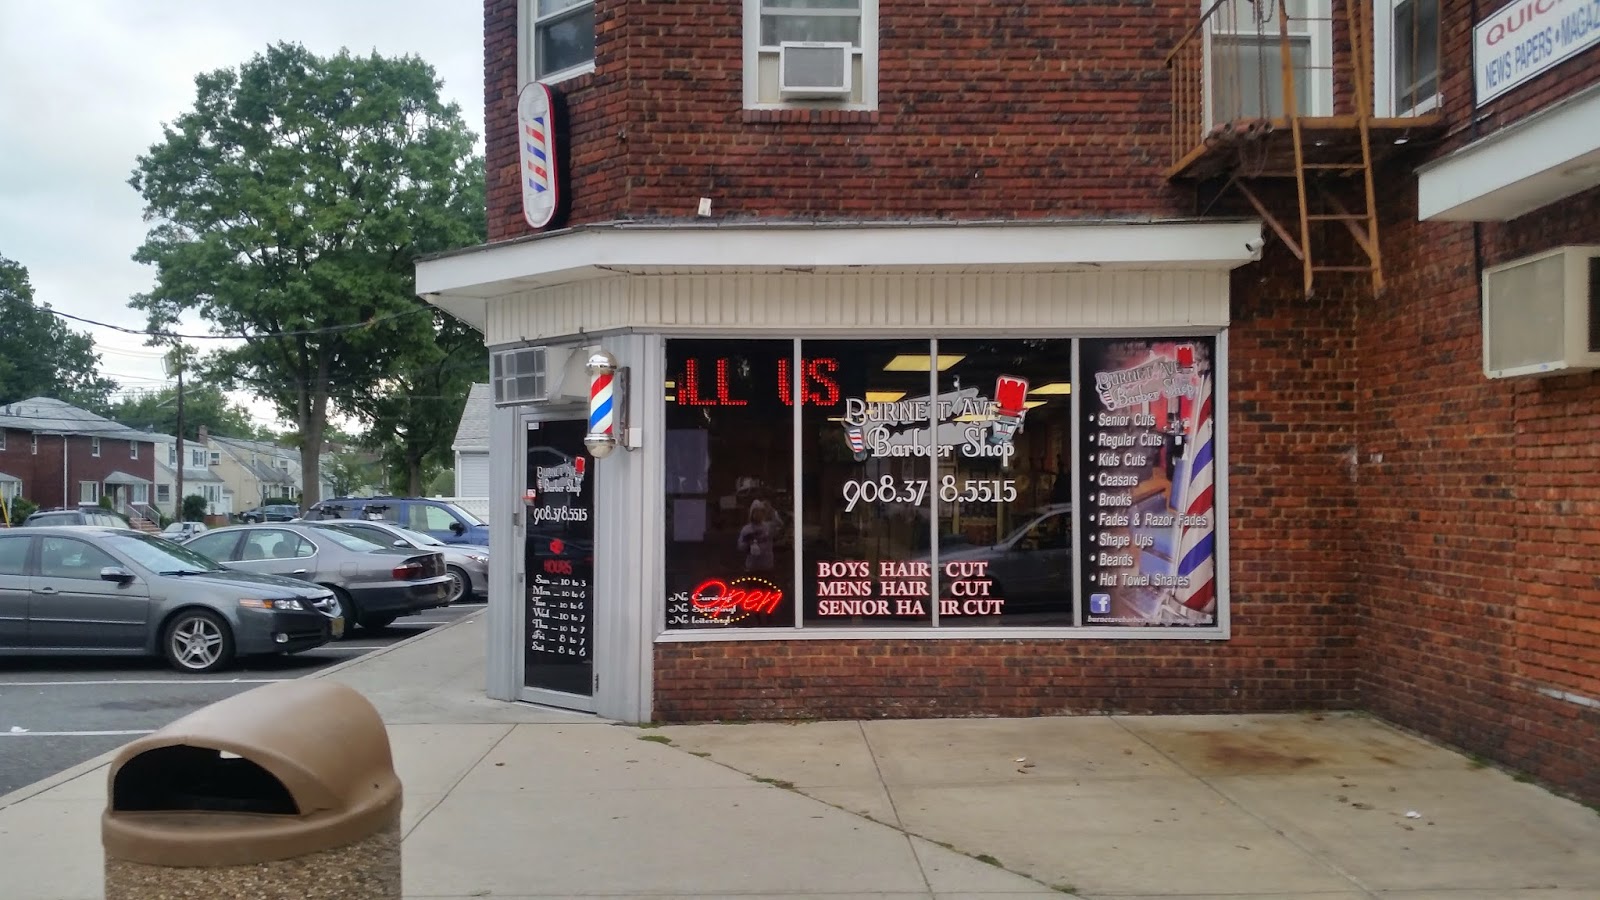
(58, 455)
(1047, 358)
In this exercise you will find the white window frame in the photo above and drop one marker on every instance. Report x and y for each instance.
(141, 494)
(216, 458)
(197, 457)
(172, 455)
(1384, 56)
(1319, 53)
(163, 493)
(9, 491)
(35, 444)
(528, 22)
(868, 52)
(89, 492)
(133, 449)
(94, 446)
(2, 439)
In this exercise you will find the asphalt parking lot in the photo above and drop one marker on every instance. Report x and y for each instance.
(58, 712)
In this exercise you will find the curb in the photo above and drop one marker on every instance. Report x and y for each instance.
(51, 782)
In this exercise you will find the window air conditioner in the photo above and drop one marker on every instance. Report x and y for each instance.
(1541, 314)
(517, 376)
(814, 69)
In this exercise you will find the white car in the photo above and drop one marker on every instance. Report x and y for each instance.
(182, 531)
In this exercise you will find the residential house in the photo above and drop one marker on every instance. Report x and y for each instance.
(471, 445)
(57, 455)
(199, 479)
(1232, 356)
(256, 472)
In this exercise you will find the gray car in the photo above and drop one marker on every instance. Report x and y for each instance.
(373, 583)
(115, 591)
(466, 564)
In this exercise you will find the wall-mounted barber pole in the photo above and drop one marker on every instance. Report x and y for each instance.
(541, 186)
(608, 405)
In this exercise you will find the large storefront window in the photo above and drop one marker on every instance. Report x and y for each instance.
(730, 484)
(936, 483)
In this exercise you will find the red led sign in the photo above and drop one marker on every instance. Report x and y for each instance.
(732, 601)
(706, 382)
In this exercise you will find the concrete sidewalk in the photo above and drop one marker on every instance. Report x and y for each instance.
(508, 801)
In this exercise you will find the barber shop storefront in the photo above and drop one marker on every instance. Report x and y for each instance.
(769, 472)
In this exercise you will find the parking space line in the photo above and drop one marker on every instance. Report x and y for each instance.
(21, 734)
(179, 680)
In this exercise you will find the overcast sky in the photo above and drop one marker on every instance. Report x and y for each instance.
(85, 87)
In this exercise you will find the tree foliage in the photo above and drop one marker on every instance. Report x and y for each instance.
(348, 473)
(413, 414)
(39, 355)
(289, 206)
(203, 404)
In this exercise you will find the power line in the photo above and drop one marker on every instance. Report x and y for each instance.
(331, 329)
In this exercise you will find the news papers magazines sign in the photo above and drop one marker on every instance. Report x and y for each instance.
(537, 142)
(1529, 37)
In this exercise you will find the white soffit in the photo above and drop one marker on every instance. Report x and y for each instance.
(462, 283)
(1552, 154)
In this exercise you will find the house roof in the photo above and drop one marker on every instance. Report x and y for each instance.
(473, 432)
(120, 477)
(191, 475)
(50, 416)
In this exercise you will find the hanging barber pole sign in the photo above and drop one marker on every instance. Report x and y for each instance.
(541, 193)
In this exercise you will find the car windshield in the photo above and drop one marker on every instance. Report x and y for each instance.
(349, 540)
(160, 555)
(467, 517)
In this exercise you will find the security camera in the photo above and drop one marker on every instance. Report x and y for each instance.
(1253, 246)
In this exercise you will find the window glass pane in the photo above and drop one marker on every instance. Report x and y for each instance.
(1150, 520)
(1005, 483)
(13, 555)
(730, 484)
(1247, 78)
(865, 443)
(777, 29)
(68, 558)
(767, 5)
(268, 545)
(566, 42)
(214, 546)
(546, 7)
(1416, 53)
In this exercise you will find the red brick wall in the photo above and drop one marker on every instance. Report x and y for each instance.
(985, 111)
(41, 472)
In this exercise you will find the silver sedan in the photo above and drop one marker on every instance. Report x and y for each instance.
(373, 583)
(467, 565)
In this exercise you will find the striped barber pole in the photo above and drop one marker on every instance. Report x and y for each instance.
(537, 149)
(601, 420)
(1197, 543)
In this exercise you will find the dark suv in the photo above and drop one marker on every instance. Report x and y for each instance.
(272, 512)
(438, 519)
(76, 517)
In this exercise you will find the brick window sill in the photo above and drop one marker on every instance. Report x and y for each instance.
(806, 116)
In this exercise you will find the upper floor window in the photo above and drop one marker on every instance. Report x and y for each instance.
(34, 445)
(94, 446)
(559, 38)
(2, 439)
(133, 449)
(216, 459)
(811, 53)
(172, 454)
(1247, 44)
(1406, 37)
(197, 457)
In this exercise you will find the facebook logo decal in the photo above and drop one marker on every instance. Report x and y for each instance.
(1099, 604)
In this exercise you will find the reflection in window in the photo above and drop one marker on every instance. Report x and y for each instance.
(729, 484)
(68, 558)
(563, 35)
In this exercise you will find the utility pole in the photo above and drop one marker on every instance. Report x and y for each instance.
(175, 365)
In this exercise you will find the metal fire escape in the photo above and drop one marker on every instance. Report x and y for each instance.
(1269, 92)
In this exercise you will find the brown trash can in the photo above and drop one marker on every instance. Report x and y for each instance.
(284, 792)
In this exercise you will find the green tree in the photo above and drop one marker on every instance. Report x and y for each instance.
(347, 473)
(290, 205)
(413, 414)
(194, 508)
(203, 404)
(39, 355)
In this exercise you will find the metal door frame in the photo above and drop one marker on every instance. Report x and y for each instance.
(544, 696)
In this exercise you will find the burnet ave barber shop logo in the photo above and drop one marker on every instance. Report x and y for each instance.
(566, 478)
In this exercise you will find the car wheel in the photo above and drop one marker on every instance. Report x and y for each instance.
(459, 584)
(197, 641)
(377, 622)
(347, 609)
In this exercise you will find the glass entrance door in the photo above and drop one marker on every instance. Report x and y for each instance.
(558, 596)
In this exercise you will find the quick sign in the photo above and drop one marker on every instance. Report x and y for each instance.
(1529, 37)
(536, 138)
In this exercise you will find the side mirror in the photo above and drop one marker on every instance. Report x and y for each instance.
(117, 574)
(399, 542)
(458, 528)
